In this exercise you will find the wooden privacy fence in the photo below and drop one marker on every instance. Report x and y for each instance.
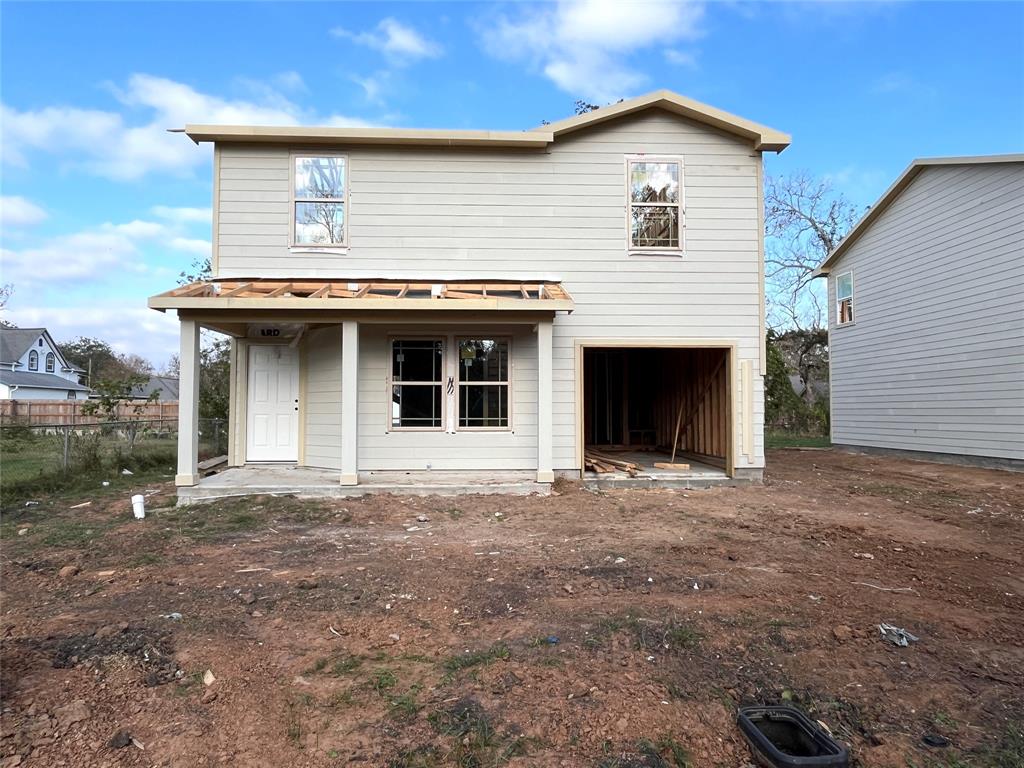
(69, 412)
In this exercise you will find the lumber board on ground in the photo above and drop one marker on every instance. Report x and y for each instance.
(670, 465)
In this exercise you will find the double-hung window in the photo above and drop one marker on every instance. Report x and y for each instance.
(483, 384)
(50, 362)
(417, 384)
(319, 199)
(844, 298)
(655, 203)
(33, 360)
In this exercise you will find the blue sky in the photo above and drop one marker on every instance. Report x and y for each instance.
(102, 207)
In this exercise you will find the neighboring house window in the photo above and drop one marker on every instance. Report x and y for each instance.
(39, 343)
(33, 360)
(484, 383)
(844, 298)
(71, 394)
(655, 204)
(50, 362)
(417, 384)
(319, 199)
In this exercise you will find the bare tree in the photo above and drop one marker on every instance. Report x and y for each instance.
(804, 220)
(5, 296)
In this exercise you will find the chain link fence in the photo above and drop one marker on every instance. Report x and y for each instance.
(31, 451)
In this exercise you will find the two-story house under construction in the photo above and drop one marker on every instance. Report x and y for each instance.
(486, 304)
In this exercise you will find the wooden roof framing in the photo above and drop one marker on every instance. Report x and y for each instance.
(360, 295)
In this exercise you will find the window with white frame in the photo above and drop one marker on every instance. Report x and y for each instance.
(50, 362)
(417, 384)
(33, 360)
(844, 298)
(655, 202)
(484, 383)
(319, 198)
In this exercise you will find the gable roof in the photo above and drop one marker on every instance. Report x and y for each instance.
(762, 137)
(14, 342)
(894, 191)
(38, 381)
(765, 139)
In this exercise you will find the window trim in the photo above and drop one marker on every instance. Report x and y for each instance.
(392, 338)
(293, 243)
(636, 250)
(33, 360)
(51, 362)
(459, 383)
(852, 299)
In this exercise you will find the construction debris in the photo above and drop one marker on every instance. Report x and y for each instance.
(897, 635)
(602, 463)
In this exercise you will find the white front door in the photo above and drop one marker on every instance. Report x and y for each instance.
(272, 411)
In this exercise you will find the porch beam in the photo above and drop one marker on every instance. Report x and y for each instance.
(349, 402)
(188, 405)
(545, 473)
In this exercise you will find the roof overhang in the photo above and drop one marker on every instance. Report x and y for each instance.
(890, 195)
(264, 134)
(341, 294)
(763, 138)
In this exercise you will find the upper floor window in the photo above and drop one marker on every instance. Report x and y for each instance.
(655, 203)
(319, 196)
(33, 360)
(50, 362)
(844, 298)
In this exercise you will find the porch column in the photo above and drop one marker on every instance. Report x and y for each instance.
(188, 405)
(544, 450)
(350, 402)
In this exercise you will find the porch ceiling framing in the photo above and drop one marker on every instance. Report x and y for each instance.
(262, 294)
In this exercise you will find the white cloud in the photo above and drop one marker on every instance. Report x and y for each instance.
(583, 46)
(107, 144)
(191, 245)
(128, 328)
(395, 40)
(183, 215)
(93, 254)
(681, 58)
(16, 211)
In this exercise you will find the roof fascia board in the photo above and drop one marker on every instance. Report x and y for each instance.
(889, 196)
(399, 136)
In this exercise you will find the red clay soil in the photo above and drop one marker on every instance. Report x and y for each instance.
(580, 629)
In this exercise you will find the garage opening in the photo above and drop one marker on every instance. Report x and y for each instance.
(640, 403)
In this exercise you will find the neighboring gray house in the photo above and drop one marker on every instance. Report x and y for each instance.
(492, 302)
(165, 388)
(926, 315)
(32, 368)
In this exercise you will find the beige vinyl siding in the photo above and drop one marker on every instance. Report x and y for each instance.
(556, 213)
(935, 358)
(322, 408)
(380, 448)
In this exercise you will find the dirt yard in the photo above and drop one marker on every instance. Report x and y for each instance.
(580, 629)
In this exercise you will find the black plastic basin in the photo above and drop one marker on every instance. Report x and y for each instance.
(781, 737)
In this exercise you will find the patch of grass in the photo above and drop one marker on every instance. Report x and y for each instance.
(454, 664)
(475, 740)
(144, 558)
(404, 708)
(383, 680)
(454, 513)
(786, 440)
(648, 634)
(427, 756)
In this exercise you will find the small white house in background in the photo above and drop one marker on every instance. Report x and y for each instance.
(926, 315)
(32, 368)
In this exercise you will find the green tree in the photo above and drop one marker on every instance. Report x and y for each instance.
(215, 379)
(97, 358)
(113, 402)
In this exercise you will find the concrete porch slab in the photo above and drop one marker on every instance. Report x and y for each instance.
(270, 479)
